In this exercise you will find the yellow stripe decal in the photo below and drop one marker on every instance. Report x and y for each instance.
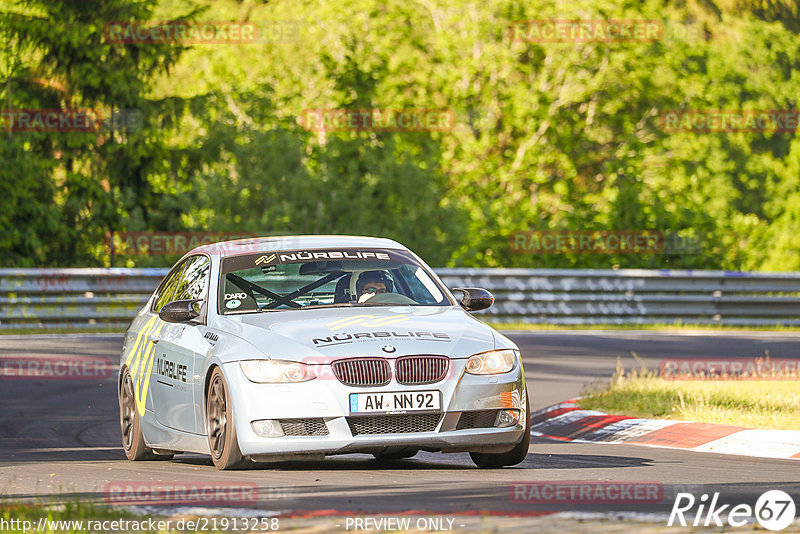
(340, 322)
(141, 398)
(138, 358)
(388, 320)
(351, 322)
(138, 340)
(364, 320)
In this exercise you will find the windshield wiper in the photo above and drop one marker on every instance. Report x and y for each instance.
(353, 304)
(333, 305)
(368, 303)
(265, 308)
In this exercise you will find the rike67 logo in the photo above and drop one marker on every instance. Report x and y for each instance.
(774, 510)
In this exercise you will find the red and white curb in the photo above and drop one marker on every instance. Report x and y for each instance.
(567, 422)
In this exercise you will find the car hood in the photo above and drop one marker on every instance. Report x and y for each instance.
(324, 335)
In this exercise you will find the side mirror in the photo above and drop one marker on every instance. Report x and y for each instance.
(473, 298)
(180, 311)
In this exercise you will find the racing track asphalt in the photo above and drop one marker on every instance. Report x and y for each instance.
(60, 439)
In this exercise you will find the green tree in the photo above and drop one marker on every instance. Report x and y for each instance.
(86, 181)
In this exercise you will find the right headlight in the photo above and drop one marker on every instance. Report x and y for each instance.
(493, 362)
(276, 371)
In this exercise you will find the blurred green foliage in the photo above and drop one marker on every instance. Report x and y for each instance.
(547, 135)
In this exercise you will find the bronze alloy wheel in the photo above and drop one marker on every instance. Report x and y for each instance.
(131, 424)
(222, 441)
(127, 411)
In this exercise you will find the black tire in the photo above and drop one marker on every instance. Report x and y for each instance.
(399, 455)
(220, 426)
(131, 425)
(515, 456)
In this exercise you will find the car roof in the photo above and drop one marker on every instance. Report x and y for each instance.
(255, 245)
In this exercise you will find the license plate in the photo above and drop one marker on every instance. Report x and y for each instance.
(395, 402)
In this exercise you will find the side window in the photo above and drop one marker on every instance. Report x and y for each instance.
(194, 281)
(168, 288)
(423, 294)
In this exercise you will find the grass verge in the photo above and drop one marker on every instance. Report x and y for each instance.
(765, 404)
(69, 518)
(86, 517)
(665, 327)
(29, 331)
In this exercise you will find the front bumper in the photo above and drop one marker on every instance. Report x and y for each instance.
(326, 399)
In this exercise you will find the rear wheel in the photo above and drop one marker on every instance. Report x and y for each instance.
(515, 456)
(131, 424)
(220, 425)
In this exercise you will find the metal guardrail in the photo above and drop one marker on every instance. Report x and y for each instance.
(108, 298)
(635, 296)
(73, 298)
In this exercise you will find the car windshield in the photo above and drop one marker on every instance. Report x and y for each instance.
(301, 279)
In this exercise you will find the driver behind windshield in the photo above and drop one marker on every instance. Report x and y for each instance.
(372, 283)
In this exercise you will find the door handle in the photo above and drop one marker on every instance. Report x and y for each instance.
(153, 339)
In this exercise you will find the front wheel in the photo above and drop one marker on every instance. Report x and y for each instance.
(220, 425)
(131, 424)
(515, 456)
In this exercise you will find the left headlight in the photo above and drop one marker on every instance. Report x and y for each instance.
(276, 371)
(493, 362)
